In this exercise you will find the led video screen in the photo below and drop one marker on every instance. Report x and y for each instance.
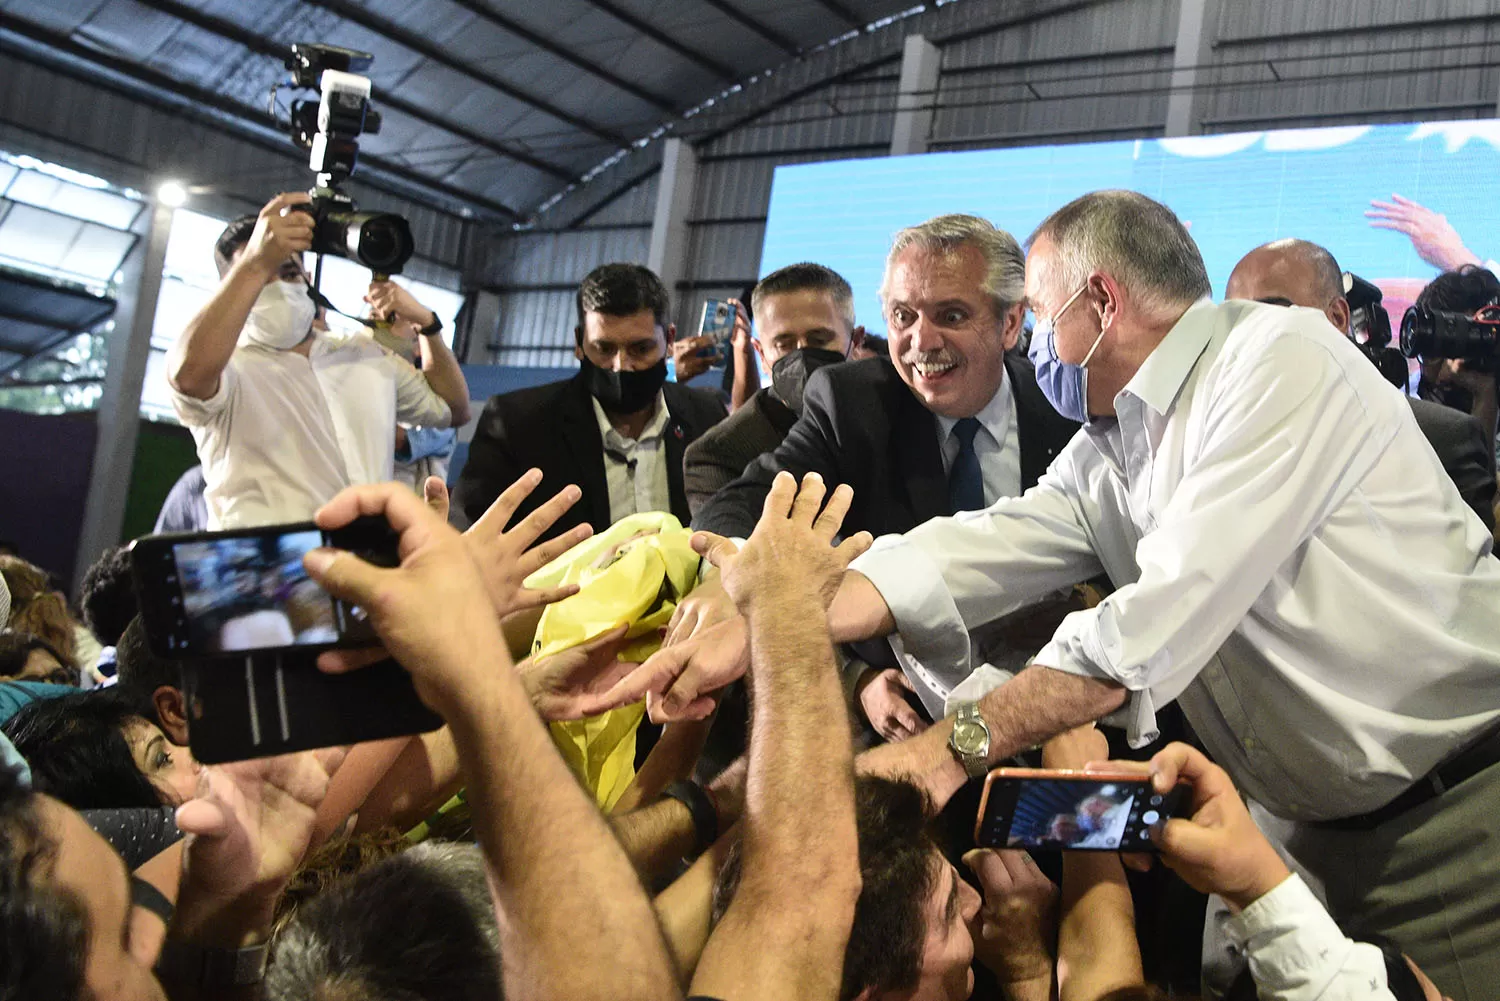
(1235, 191)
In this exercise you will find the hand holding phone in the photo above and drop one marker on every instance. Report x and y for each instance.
(716, 327)
(1043, 809)
(1213, 844)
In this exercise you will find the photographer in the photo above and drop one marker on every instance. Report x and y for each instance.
(283, 416)
(1464, 383)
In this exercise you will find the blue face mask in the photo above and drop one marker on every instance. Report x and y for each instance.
(1065, 386)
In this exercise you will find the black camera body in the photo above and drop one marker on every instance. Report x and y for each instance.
(329, 129)
(1370, 327)
(1433, 333)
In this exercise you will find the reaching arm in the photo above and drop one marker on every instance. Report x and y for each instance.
(562, 937)
(202, 351)
(439, 366)
(746, 368)
(785, 933)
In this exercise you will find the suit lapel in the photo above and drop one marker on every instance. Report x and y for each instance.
(675, 438)
(580, 429)
(919, 457)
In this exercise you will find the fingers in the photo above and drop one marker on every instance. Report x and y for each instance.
(779, 498)
(655, 675)
(715, 548)
(986, 863)
(497, 515)
(345, 575)
(832, 519)
(1139, 861)
(402, 509)
(435, 493)
(1178, 761)
(527, 597)
(900, 678)
(809, 500)
(539, 556)
(343, 661)
(534, 524)
(854, 547)
(204, 818)
(278, 205)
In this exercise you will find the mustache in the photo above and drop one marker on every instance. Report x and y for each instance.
(940, 357)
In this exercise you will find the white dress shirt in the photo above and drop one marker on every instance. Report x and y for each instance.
(635, 469)
(1292, 563)
(998, 447)
(284, 433)
(1297, 953)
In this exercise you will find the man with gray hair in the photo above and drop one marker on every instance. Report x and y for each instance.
(1291, 564)
(953, 422)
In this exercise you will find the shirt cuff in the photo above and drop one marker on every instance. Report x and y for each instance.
(926, 616)
(1076, 648)
(1295, 949)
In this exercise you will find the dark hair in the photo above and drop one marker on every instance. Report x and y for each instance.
(898, 866)
(416, 927)
(235, 236)
(109, 595)
(1463, 291)
(622, 290)
(16, 647)
(879, 345)
(807, 277)
(138, 669)
(76, 747)
(44, 929)
(36, 607)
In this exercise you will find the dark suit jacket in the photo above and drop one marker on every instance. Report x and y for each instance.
(1459, 442)
(863, 426)
(553, 428)
(721, 455)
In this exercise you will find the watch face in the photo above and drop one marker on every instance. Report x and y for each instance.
(969, 737)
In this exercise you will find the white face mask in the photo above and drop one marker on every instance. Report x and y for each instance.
(282, 316)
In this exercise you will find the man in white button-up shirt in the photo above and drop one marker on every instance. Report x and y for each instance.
(1292, 566)
(284, 418)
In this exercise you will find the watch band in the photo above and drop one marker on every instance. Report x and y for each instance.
(705, 816)
(213, 968)
(435, 327)
(976, 764)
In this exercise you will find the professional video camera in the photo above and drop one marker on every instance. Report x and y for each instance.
(1370, 326)
(330, 128)
(1432, 333)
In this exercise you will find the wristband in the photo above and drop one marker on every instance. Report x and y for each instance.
(435, 327)
(696, 799)
(203, 966)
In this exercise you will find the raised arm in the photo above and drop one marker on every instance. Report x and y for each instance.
(562, 937)
(439, 365)
(201, 353)
(785, 932)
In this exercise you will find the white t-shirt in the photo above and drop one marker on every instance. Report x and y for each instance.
(284, 433)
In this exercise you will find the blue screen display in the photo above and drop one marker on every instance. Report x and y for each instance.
(1235, 191)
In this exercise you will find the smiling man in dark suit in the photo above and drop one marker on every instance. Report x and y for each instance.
(953, 422)
(618, 429)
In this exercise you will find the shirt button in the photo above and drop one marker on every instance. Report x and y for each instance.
(1249, 743)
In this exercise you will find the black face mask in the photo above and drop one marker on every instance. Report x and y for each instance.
(790, 373)
(624, 392)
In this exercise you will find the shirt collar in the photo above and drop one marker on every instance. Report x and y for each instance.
(1165, 371)
(655, 427)
(995, 417)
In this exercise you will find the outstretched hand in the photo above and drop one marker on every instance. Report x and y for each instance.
(507, 557)
(791, 554)
(1432, 235)
(576, 682)
(247, 831)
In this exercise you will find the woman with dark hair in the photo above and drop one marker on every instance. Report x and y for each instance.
(100, 750)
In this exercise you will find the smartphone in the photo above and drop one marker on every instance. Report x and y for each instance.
(217, 594)
(717, 325)
(246, 624)
(1043, 809)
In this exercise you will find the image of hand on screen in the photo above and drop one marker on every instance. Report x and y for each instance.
(1432, 235)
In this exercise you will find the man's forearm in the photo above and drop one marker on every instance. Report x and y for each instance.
(859, 612)
(746, 380)
(446, 378)
(1096, 944)
(562, 936)
(202, 351)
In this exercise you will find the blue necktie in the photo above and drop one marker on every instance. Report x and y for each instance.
(965, 481)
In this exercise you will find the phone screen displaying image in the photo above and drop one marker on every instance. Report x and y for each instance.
(1054, 813)
(251, 593)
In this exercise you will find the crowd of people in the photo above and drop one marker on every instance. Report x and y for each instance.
(1071, 513)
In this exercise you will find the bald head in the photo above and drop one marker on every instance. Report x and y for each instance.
(1292, 273)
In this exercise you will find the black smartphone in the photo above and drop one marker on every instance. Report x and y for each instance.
(246, 624)
(216, 594)
(1043, 809)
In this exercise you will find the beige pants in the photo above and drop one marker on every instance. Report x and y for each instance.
(1429, 880)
